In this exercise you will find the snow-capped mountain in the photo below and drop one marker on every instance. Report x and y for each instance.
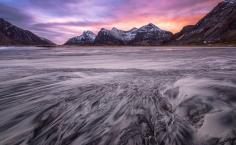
(219, 26)
(13, 35)
(149, 28)
(87, 38)
(151, 35)
(124, 35)
(115, 36)
(146, 35)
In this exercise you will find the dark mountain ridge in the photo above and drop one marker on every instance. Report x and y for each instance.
(218, 26)
(13, 35)
(146, 35)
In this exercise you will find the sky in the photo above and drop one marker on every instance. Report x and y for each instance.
(59, 20)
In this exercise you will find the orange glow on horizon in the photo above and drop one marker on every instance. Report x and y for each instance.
(173, 25)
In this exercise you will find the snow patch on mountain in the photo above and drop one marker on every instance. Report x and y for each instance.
(127, 36)
(230, 1)
(150, 28)
(124, 35)
(87, 37)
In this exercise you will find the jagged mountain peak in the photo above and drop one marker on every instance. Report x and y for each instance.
(4, 23)
(104, 29)
(133, 29)
(114, 29)
(87, 32)
(86, 38)
(3, 20)
(149, 27)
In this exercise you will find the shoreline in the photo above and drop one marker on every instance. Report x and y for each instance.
(124, 46)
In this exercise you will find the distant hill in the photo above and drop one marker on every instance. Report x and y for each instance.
(217, 27)
(13, 35)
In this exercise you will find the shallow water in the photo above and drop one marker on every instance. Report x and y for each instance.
(117, 96)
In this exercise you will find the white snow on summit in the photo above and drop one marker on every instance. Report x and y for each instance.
(124, 35)
(230, 1)
(149, 28)
(86, 37)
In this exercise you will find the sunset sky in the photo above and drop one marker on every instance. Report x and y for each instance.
(59, 20)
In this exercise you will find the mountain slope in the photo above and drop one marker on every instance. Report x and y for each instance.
(219, 26)
(87, 38)
(146, 35)
(13, 35)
